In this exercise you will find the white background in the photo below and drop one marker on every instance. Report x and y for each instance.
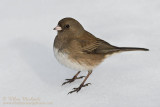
(28, 67)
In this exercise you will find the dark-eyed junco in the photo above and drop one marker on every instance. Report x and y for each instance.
(78, 49)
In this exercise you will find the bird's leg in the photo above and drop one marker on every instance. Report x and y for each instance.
(82, 84)
(74, 78)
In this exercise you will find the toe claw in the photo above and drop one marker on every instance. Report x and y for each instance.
(71, 92)
(64, 83)
(80, 77)
(86, 84)
(68, 81)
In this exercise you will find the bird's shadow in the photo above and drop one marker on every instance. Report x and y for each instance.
(40, 59)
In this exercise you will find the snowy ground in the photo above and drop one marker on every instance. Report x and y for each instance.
(28, 67)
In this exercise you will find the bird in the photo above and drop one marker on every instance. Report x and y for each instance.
(78, 49)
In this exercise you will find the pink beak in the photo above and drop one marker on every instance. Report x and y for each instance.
(57, 28)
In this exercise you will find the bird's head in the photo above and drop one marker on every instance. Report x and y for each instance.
(69, 25)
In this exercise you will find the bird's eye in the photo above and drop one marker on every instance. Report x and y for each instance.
(67, 26)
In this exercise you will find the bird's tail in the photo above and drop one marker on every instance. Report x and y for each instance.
(132, 49)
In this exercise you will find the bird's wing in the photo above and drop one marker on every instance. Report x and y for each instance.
(99, 47)
(92, 45)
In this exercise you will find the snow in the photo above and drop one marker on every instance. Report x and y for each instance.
(28, 67)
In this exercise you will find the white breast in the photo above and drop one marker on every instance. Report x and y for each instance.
(63, 59)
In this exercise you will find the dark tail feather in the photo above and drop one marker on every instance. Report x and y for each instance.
(132, 49)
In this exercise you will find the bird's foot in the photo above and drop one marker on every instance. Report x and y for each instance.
(73, 79)
(79, 88)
